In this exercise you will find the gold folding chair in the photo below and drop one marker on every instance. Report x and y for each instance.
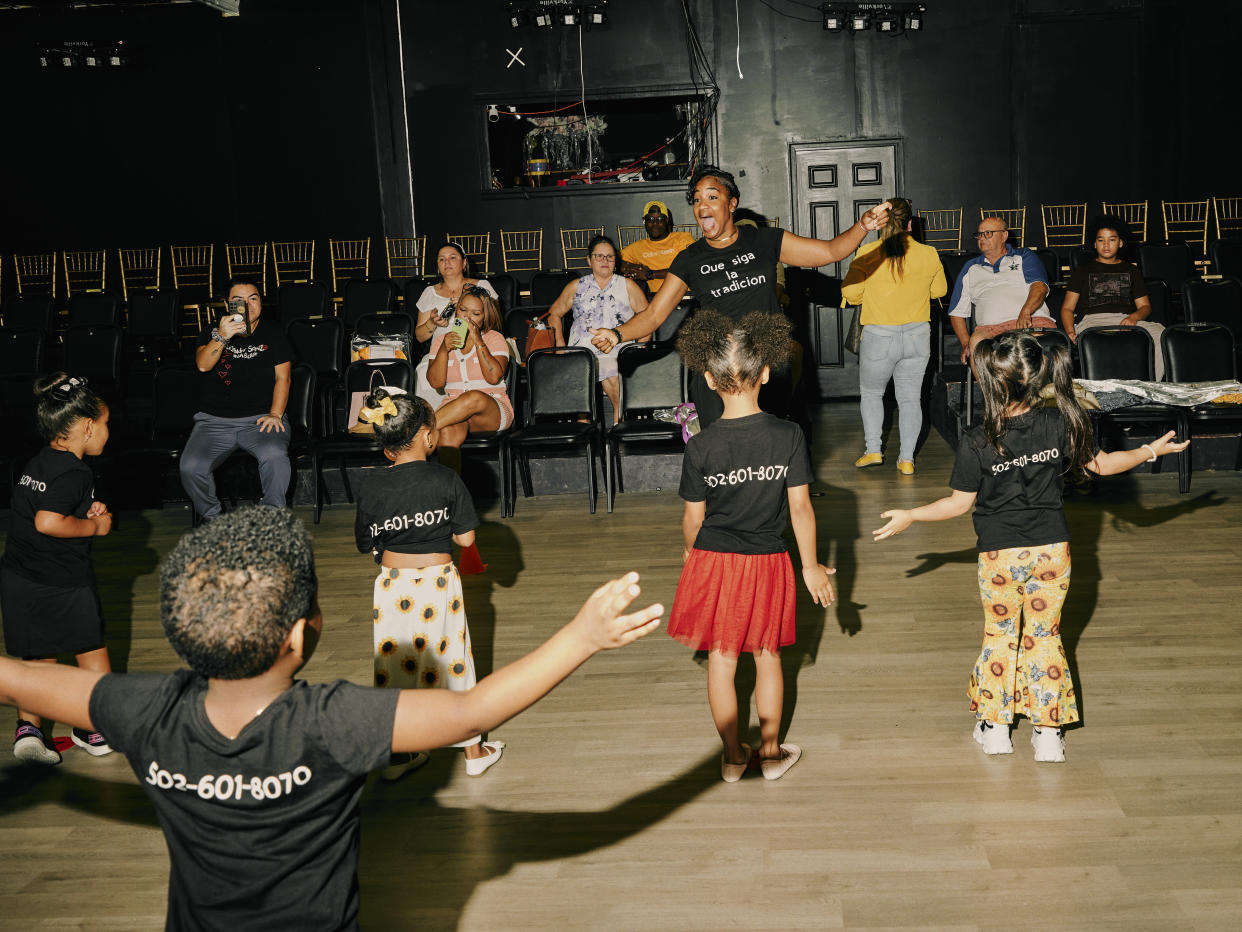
(350, 259)
(36, 274)
(192, 269)
(248, 261)
(521, 249)
(406, 257)
(85, 270)
(1187, 221)
(294, 261)
(1134, 213)
(140, 269)
(1064, 224)
(691, 228)
(1228, 212)
(627, 235)
(477, 247)
(942, 228)
(574, 246)
(1015, 219)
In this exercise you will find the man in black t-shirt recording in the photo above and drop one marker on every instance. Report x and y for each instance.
(247, 368)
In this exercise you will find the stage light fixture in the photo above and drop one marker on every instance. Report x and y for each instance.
(914, 21)
(886, 22)
(518, 17)
(543, 19)
(597, 15)
(860, 21)
(832, 21)
(571, 18)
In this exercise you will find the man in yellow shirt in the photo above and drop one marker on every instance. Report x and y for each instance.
(648, 259)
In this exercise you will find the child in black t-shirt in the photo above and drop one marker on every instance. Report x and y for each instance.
(741, 479)
(256, 775)
(1011, 469)
(47, 585)
(409, 516)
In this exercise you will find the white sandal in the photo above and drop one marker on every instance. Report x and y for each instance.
(477, 766)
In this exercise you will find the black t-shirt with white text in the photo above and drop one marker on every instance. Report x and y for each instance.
(1020, 491)
(241, 382)
(737, 279)
(1107, 288)
(262, 829)
(59, 482)
(413, 507)
(742, 468)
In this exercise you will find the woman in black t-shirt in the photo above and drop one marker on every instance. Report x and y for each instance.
(1010, 470)
(409, 516)
(730, 269)
(47, 584)
(741, 479)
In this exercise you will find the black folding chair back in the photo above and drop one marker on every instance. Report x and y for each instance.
(651, 379)
(1161, 301)
(1215, 302)
(21, 352)
(32, 312)
(506, 288)
(546, 287)
(1227, 256)
(94, 308)
(562, 388)
(1170, 262)
(95, 352)
(367, 296)
(369, 325)
(302, 300)
(413, 290)
(1202, 353)
(320, 344)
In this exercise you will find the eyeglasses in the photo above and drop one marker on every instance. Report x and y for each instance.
(603, 257)
(988, 234)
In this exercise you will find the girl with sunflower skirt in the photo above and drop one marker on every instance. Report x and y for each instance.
(1011, 471)
(409, 515)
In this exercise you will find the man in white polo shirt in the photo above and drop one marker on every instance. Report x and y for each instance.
(1006, 286)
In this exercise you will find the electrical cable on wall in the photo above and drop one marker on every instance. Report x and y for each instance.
(737, 18)
(585, 119)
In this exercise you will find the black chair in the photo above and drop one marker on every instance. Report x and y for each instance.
(1161, 301)
(667, 331)
(1215, 302)
(321, 344)
(1056, 298)
(651, 378)
(563, 386)
(497, 441)
(33, 312)
(394, 322)
(95, 352)
(302, 300)
(1227, 256)
(359, 377)
(21, 361)
(546, 287)
(1128, 353)
(1080, 255)
(1170, 262)
(300, 409)
(152, 324)
(94, 308)
(1051, 261)
(413, 290)
(506, 288)
(367, 296)
(1201, 353)
(142, 466)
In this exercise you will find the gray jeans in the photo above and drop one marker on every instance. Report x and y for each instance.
(214, 439)
(898, 352)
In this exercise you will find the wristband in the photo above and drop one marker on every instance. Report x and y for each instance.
(218, 337)
(1153, 453)
(617, 333)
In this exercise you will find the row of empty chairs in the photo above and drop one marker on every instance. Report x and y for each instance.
(1065, 225)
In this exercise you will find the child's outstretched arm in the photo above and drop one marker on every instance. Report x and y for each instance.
(814, 573)
(1119, 461)
(432, 718)
(97, 523)
(52, 690)
(942, 509)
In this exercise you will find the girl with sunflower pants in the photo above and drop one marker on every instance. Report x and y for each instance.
(1011, 470)
(409, 515)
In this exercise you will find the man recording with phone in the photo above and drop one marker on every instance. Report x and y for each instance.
(247, 368)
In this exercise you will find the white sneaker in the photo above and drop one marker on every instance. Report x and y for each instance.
(477, 766)
(1049, 744)
(993, 738)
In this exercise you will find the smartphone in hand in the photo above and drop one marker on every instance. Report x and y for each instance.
(460, 327)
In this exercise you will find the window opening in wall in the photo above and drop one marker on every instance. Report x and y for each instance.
(620, 140)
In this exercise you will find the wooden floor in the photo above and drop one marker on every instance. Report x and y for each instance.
(607, 811)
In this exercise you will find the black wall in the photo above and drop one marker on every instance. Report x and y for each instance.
(286, 121)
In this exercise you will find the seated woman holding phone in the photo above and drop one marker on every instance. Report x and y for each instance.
(468, 362)
(247, 367)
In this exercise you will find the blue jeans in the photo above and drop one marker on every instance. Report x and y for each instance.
(899, 353)
(214, 439)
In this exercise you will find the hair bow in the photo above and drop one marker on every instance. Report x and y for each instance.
(71, 383)
(377, 414)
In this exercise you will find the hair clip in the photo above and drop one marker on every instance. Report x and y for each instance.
(71, 383)
(379, 413)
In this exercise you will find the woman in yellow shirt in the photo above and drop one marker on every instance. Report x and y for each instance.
(894, 279)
